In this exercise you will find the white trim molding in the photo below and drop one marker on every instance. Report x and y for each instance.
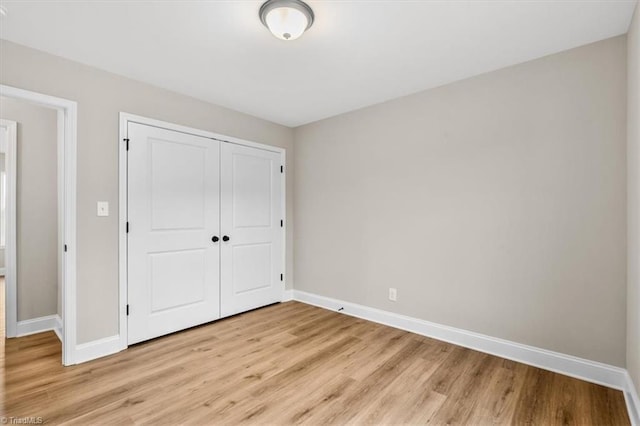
(2, 271)
(97, 349)
(590, 371)
(579, 368)
(287, 296)
(10, 150)
(58, 329)
(38, 325)
(633, 401)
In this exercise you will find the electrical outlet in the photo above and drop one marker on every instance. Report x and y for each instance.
(393, 294)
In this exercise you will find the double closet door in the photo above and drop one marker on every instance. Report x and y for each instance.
(205, 236)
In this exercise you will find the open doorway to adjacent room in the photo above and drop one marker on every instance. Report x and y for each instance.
(30, 241)
(35, 225)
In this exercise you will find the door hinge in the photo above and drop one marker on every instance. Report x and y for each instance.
(281, 169)
(127, 309)
(281, 223)
(281, 277)
(127, 142)
(65, 248)
(127, 230)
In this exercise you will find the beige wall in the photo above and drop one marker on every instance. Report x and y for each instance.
(101, 96)
(633, 182)
(37, 207)
(495, 204)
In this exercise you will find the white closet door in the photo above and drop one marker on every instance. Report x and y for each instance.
(173, 214)
(251, 258)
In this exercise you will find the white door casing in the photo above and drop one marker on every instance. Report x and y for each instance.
(173, 215)
(251, 215)
(9, 147)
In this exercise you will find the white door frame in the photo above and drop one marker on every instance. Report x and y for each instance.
(67, 117)
(11, 299)
(125, 119)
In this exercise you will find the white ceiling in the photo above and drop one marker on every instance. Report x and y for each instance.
(357, 53)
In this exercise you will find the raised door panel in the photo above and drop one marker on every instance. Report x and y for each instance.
(173, 211)
(251, 212)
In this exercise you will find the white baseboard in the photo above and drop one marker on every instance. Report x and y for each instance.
(633, 402)
(287, 296)
(111, 345)
(3, 272)
(38, 325)
(591, 371)
(58, 328)
(580, 368)
(97, 349)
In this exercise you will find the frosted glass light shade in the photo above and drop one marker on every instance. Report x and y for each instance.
(286, 19)
(286, 23)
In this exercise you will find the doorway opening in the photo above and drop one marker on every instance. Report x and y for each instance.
(37, 216)
(8, 139)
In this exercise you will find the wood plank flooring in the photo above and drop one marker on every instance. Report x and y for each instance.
(292, 363)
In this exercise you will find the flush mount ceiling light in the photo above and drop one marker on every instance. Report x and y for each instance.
(286, 19)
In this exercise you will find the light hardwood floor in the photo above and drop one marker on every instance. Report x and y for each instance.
(294, 363)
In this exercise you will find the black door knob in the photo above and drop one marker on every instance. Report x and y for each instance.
(215, 239)
(225, 238)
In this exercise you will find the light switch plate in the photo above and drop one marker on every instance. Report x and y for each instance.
(103, 208)
(393, 294)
